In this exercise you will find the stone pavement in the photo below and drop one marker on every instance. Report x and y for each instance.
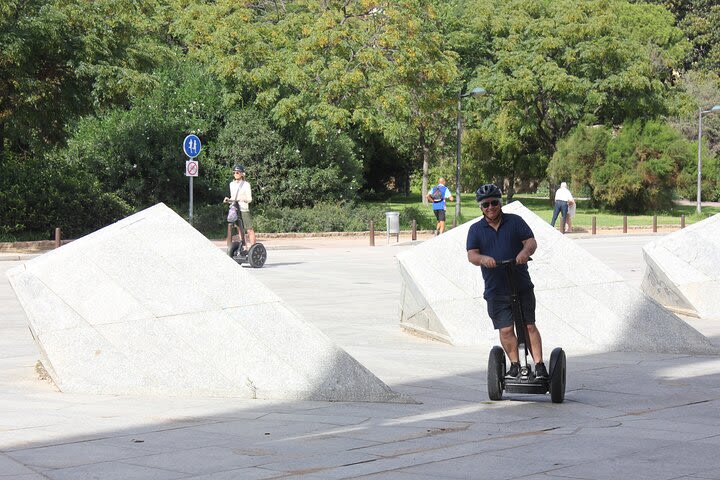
(625, 415)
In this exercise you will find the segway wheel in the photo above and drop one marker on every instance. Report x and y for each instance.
(257, 255)
(234, 252)
(557, 375)
(496, 373)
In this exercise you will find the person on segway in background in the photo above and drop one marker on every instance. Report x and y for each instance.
(499, 236)
(241, 196)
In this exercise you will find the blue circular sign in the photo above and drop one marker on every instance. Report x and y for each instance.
(192, 146)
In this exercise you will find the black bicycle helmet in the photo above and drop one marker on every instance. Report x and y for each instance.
(239, 168)
(489, 190)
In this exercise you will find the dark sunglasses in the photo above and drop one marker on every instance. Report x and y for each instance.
(236, 172)
(494, 203)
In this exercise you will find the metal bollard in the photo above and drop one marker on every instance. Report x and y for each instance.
(229, 235)
(654, 223)
(414, 230)
(58, 241)
(372, 233)
(594, 225)
(682, 221)
(624, 223)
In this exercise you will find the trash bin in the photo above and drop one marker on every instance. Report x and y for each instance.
(393, 225)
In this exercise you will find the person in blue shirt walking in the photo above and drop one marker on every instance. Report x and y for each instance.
(501, 236)
(437, 195)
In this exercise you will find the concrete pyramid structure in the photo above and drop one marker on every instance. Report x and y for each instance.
(148, 305)
(582, 305)
(683, 269)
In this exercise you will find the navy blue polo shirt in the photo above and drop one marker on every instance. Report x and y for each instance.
(503, 244)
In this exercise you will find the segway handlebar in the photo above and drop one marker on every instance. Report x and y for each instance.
(509, 261)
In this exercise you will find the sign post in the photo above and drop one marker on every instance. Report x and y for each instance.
(191, 147)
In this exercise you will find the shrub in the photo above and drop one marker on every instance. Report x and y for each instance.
(39, 194)
(323, 217)
(283, 172)
(136, 152)
(635, 170)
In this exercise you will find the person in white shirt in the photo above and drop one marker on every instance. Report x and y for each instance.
(241, 194)
(563, 199)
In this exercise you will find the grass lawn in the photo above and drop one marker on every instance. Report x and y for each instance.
(543, 208)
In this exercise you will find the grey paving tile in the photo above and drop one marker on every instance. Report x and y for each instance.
(315, 417)
(472, 466)
(320, 462)
(401, 476)
(241, 474)
(574, 449)
(669, 462)
(262, 430)
(112, 471)
(170, 439)
(10, 467)
(26, 476)
(712, 474)
(204, 460)
(71, 454)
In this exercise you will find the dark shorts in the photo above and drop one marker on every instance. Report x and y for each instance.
(440, 215)
(500, 310)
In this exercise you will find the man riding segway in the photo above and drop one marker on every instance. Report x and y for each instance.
(501, 245)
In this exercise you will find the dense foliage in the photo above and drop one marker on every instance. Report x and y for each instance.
(637, 168)
(329, 102)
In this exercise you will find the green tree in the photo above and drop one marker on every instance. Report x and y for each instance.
(38, 194)
(557, 64)
(136, 152)
(284, 173)
(700, 21)
(64, 58)
(636, 169)
(641, 167)
(328, 68)
(700, 90)
(578, 155)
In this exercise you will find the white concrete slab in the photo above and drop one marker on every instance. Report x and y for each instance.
(150, 306)
(582, 305)
(682, 269)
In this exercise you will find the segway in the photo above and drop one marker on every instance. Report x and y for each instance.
(255, 256)
(526, 382)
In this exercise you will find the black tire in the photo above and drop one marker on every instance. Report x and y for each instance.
(496, 373)
(234, 250)
(558, 371)
(257, 255)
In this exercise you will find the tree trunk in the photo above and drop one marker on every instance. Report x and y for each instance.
(552, 188)
(511, 187)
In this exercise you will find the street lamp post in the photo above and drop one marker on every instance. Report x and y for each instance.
(477, 91)
(701, 112)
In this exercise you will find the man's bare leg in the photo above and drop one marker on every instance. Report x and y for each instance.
(509, 342)
(535, 343)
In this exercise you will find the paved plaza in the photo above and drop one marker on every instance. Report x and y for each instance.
(626, 415)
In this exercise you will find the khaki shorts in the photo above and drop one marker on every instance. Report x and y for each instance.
(247, 220)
